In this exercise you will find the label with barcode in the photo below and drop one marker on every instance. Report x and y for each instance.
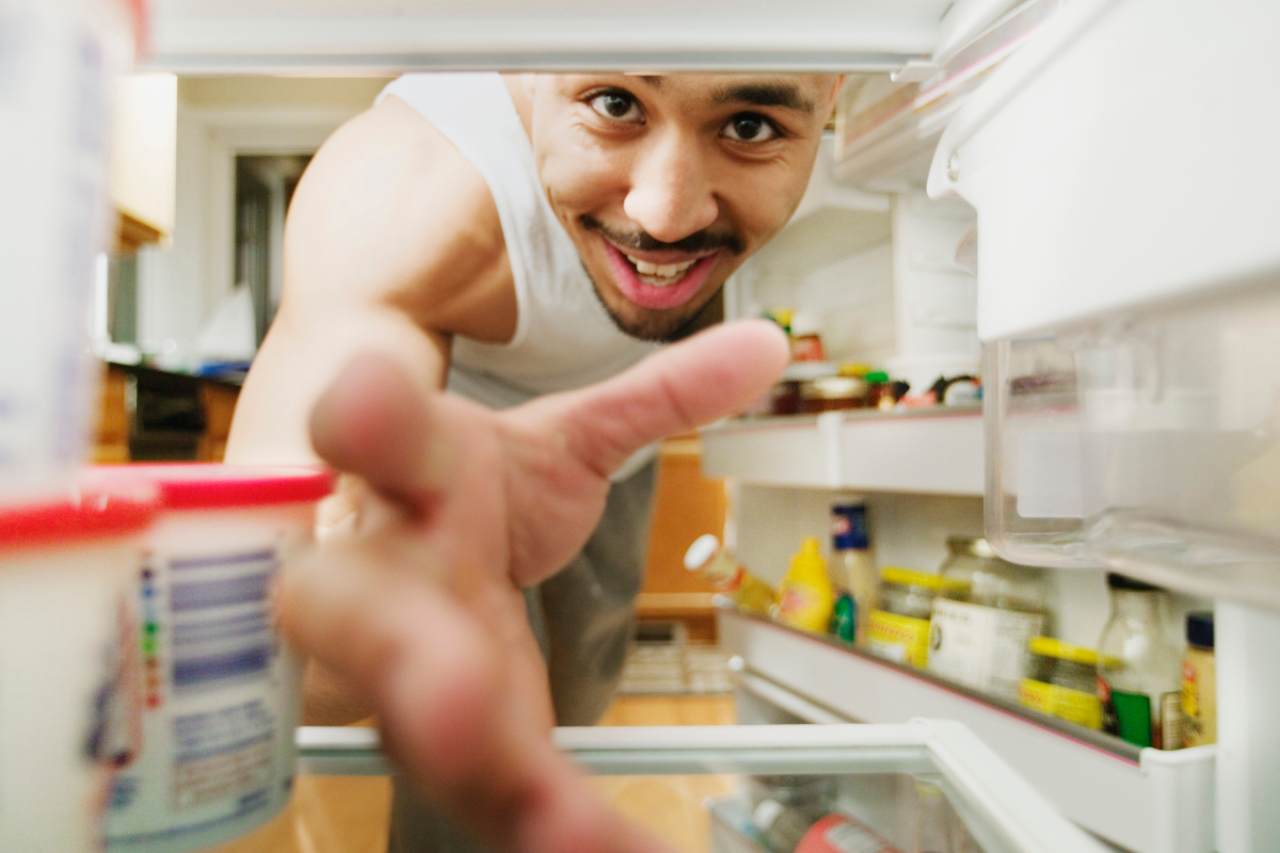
(220, 697)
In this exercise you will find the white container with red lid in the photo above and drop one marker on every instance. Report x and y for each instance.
(60, 58)
(221, 692)
(66, 663)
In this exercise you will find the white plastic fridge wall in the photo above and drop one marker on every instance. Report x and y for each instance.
(878, 273)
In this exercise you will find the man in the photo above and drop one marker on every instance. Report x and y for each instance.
(518, 238)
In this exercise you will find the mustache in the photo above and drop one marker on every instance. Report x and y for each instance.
(642, 241)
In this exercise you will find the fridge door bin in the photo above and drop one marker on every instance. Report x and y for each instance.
(897, 780)
(1139, 799)
(1146, 441)
(1123, 156)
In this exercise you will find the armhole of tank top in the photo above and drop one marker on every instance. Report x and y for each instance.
(515, 258)
(515, 251)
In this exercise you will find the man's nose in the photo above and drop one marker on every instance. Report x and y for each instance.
(671, 194)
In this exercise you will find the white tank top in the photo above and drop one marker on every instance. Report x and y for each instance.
(564, 339)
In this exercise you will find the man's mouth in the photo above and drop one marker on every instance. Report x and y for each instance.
(658, 286)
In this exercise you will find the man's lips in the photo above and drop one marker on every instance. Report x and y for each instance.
(667, 257)
(658, 297)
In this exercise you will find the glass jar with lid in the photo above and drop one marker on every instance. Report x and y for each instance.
(1140, 679)
(982, 624)
(899, 630)
(1062, 682)
(786, 397)
(832, 393)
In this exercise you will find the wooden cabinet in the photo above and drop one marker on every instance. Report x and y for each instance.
(117, 419)
(686, 505)
(111, 433)
(219, 406)
(132, 233)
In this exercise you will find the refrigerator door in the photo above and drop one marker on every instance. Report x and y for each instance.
(926, 785)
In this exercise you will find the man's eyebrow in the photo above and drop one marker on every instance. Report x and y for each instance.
(764, 95)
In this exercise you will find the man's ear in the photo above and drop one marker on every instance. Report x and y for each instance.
(836, 86)
(833, 96)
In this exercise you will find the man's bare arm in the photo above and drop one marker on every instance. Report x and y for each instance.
(392, 244)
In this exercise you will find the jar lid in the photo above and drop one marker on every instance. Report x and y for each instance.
(833, 388)
(208, 486)
(700, 551)
(1200, 629)
(807, 371)
(856, 369)
(974, 546)
(804, 324)
(910, 577)
(86, 515)
(1119, 581)
(1055, 648)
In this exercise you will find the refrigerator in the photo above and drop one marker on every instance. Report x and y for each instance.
(1092, 181)
(925, 785)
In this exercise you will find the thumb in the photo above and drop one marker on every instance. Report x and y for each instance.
(713, 374)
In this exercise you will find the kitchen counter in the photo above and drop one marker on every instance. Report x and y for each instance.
(148, 413)
(162, 374)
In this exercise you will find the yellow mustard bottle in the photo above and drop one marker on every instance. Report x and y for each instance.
(806, 596)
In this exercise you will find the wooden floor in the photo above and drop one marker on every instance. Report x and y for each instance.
(336, 814)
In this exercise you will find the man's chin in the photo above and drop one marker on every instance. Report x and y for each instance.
(645, 325)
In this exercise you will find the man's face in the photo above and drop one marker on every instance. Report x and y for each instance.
(667, 184)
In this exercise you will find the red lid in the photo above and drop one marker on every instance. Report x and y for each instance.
(89, 515)
(205, 486)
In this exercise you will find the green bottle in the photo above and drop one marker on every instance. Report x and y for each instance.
(844, 619)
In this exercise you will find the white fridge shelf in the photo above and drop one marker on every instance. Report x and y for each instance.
(996, 807)
(389, 36)
(922, 451)
(1142, 799)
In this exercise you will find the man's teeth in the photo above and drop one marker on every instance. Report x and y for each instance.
(660, 274)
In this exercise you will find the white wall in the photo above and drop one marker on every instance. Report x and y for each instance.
(143, 129)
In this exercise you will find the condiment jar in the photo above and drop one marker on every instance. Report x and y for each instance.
(1199, 683)
(899, 630)
(981, 626)
(1062, 682)
(1140, 677)
(785, 397)
(832, 393)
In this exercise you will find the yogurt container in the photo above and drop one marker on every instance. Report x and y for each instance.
(221, 691)
(57, 59)
(66, 668)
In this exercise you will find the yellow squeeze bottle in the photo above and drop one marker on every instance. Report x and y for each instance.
(806, 596)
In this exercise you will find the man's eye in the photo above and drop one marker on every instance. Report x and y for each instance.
(749, 127)
(617, 106)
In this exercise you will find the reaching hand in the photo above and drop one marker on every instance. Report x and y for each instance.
(460, 506)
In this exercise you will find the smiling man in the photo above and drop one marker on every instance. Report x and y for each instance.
(522, 241)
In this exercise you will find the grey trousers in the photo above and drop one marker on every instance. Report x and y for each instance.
(583, 618)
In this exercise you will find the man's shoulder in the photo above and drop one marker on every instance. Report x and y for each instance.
(389, 193)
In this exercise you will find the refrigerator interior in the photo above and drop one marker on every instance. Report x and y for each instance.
(927, 785)
(890, 271)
